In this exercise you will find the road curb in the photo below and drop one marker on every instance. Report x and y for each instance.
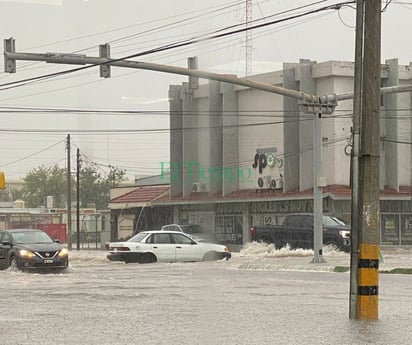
(314, 268)
(397, 270)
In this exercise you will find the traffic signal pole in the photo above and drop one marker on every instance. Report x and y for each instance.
(11, 56)
(325, 105)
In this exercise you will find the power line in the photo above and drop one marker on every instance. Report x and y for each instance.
(32, 154)
(239, 164)
(215, 35)
(96, 111)
(93, 82)
(225, 6)
(125, 74)
(133, 131)
(150, 31)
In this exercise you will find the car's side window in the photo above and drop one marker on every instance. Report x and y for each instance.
(181, 239)
(161, 239)
(309, 222)
(6, 237)
(1, 236)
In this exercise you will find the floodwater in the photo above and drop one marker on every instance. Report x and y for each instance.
(102, 302)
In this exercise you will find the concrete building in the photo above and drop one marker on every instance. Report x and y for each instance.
(240, 156)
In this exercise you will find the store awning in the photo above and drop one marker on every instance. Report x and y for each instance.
(142, 196)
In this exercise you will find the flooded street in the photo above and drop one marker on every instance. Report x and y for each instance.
(102, 302)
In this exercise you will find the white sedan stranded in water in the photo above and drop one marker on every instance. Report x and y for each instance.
(167, 246)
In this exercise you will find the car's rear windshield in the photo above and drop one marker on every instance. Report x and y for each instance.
(26, 237)
(138, 237)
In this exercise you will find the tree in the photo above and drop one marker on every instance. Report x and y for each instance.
(95, 187)
(51, 181)
(43, 182)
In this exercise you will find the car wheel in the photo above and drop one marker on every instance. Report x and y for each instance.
(66, 269)
(147, 258)
(13, 263)
(128, 261)
(211, 256)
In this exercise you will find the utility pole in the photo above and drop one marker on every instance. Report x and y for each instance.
(357, 106)
(365, 170)
(78, 199)
(69, 195)
(324, 105)
(317, 189)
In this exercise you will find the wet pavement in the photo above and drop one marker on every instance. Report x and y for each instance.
(260, 296)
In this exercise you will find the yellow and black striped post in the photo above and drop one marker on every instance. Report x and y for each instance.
(2, 180)
(368, 282)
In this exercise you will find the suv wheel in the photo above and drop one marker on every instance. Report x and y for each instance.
(333, 244)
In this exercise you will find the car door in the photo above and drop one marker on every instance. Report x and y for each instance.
(293, 231)
(162, 245)
(2, 254)
(186, 248)
(4, 249)
(308, 232)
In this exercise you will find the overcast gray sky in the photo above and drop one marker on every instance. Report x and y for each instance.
(133, 26)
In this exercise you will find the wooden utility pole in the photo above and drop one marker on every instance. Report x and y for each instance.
(365, 171)
(78, 200)
(69, 195)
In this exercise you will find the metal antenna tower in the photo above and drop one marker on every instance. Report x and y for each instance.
(248, 41)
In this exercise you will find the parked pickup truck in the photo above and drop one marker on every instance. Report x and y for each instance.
(297, 231)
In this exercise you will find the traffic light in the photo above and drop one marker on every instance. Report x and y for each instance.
(104, 52)
(9, 64)
(2, 180)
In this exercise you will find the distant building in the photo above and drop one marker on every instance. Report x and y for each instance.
(12, 185)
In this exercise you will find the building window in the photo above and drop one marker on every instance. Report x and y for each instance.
(390, 229)
(406, 229)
